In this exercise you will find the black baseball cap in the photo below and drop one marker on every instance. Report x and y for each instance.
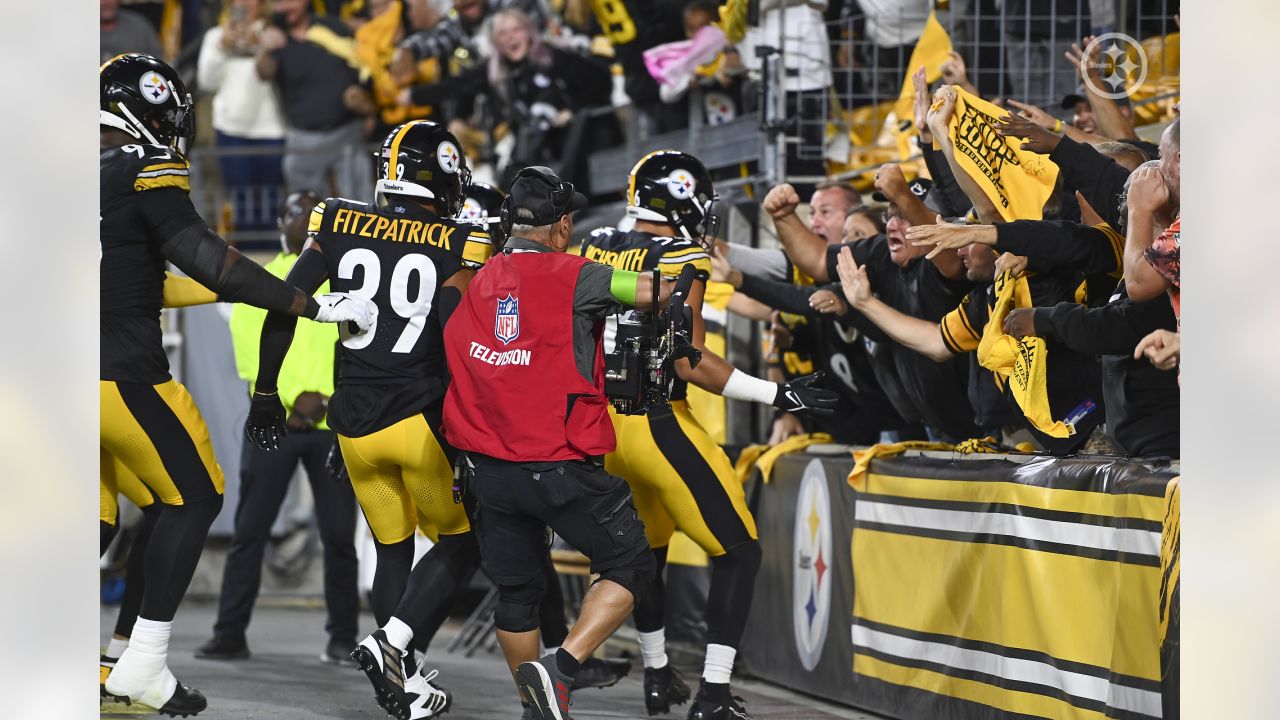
(918, 187)
(539, 197)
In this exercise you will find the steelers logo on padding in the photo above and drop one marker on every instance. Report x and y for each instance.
(154, 88)
(449, 157)
(471, 211)
(681, 184)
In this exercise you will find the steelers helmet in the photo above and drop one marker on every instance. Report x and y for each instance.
(669, 186)
(422, 159)
(147, 99)
(482, 205)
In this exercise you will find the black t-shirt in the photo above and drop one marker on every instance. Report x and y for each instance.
(311, 79)
(938, 390)
(399, 257)
(143, 202)
(634, 26)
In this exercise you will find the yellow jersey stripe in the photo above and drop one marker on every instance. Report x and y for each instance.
(476, 252)
(166, 166)
(164, 181)
(316, 219)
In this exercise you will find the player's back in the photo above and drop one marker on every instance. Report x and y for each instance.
(136, 183)
(399, 257)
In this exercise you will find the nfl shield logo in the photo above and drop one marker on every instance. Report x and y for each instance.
(506, 326)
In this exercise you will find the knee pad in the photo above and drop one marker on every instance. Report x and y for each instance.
(518, 605)
(745, 556)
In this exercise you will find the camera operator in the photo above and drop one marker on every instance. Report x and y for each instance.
(527, 406)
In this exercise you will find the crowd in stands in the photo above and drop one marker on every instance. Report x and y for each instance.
(948, 306)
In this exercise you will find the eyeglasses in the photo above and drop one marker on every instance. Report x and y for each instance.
(886, 217)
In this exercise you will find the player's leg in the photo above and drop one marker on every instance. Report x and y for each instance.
(663, 684)
(264, 482)
(702, 493)
(159, 434)
(118, 478)
(336, 520)
(108, 505)
(444, 571)
(373, 462)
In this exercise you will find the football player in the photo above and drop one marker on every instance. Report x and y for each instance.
(148, 420)
(680, 477)
(409, 256)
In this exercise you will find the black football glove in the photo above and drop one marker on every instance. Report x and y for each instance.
(336, 465)
(802, 395)
(265, 425)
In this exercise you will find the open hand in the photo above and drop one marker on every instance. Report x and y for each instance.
(1036, 138)
(1035, 114)
(721, 269)
(949, 236)
(853, 279)
(920, 106)
(953, 69)
(1147, 189)
(1014, 264)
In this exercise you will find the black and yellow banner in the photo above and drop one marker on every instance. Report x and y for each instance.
(981, 588)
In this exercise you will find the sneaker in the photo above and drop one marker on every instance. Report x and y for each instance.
(664, 687)
(426, 699)
(601, 672)
(380, 661)
(545, 687)
(338, 652)
(704, 708)
(223, 648)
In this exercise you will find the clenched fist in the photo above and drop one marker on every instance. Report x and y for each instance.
(781, 201)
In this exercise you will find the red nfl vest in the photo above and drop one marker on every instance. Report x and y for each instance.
(516, 393)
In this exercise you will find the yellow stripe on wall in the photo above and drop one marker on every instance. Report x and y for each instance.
(1091, 611)
(1015, 701)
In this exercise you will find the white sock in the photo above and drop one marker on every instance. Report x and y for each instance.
(719, 664)
(398, 633)
(653, 646)
(116, 647)
(151, 636)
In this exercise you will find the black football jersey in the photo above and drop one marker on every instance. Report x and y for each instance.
(644, 252)
(135, 180)
(399, 257)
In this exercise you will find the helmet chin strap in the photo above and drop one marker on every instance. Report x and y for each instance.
(142, 128)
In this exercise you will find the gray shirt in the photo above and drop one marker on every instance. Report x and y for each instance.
(132, 33)
(593, 301)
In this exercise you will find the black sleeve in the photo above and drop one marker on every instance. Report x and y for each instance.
(782, 296)
(1054, 245)
(187, 242)
(307, 274)
(953, 201)
(861, 254)
(1098, 178)
(1113, 329)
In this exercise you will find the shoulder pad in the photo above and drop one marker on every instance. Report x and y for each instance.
(477, 247)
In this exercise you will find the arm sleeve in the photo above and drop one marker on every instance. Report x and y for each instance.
(770, 264)
(308, 273)
(1113, 329)
(1098, 178)
(962, 328)
(782, 296)
(954, 202)
(1056, 245)
(593, 295)
(187, 242)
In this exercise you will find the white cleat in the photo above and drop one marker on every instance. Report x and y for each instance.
(426, 699)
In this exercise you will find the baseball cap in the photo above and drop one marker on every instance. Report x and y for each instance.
(539, 197)
(918, 187)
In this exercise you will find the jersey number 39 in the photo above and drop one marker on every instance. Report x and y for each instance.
(413, 310)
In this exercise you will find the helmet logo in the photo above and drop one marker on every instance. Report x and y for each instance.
(154, 88)
(681, 184)
(449, 157)
(471, 211)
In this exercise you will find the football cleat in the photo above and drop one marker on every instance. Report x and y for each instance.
(164, 693)
(425, 698)
(545, 687)
(664, 687)
(381, 663)
(703, 708)
(601, 672)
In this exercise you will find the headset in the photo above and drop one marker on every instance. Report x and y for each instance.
(561, 194)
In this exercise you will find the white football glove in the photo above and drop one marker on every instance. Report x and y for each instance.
(337, 307)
